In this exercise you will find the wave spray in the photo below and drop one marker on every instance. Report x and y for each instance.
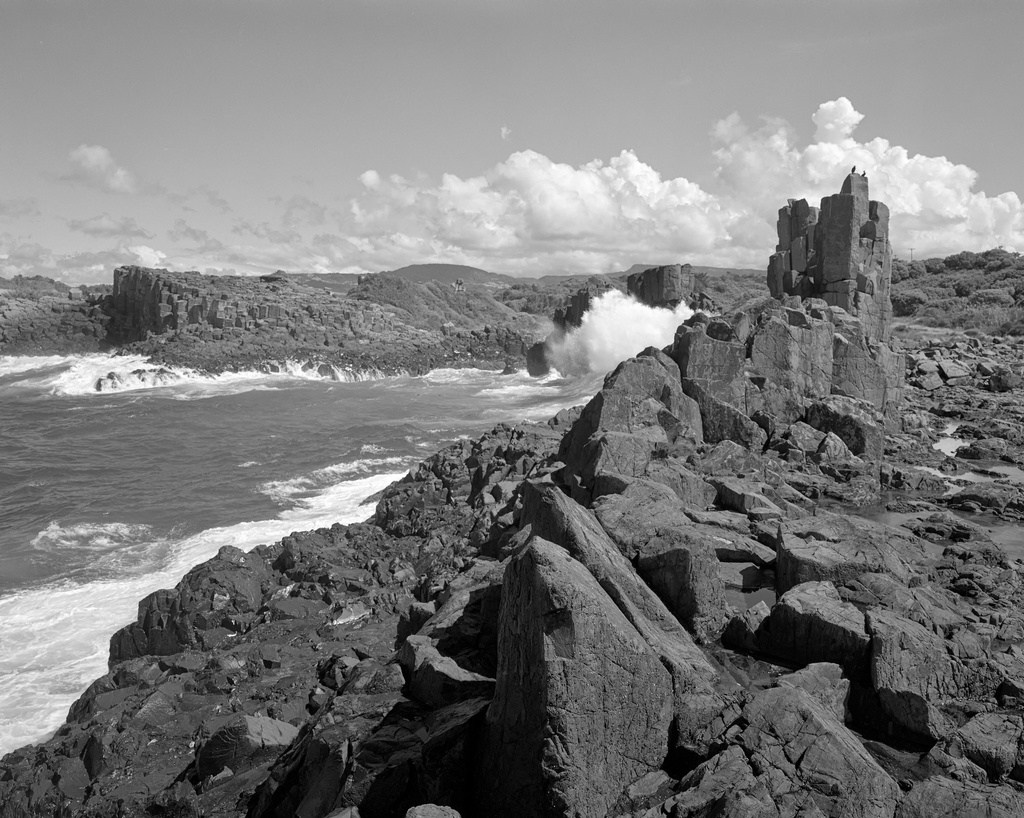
(615, 327)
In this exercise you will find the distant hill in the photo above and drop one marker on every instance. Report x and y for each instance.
(448, 273)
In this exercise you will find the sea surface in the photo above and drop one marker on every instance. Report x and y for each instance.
(108, 496)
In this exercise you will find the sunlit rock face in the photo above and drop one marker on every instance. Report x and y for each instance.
(839, 252)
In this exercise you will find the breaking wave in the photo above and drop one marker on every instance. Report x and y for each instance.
(616, 327)
(101, 373)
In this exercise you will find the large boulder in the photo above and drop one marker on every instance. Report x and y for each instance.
(862, 430)
(723, 421)
(718, 366)
(810, 623)
(680, 564)
(700, 693)
(914, 676)
(241, 738)
(641, 397)
(794, 758)
(577, 683)
(662, 286)
(794, 351)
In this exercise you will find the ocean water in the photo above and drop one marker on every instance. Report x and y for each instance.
(107, 496)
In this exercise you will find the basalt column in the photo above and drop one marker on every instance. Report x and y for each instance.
(839, 252)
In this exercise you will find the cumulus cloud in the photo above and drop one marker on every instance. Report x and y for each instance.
(836, 120)
(148, 256)
(934, 207)
(106, 226)
(93, 165)
(531, 214)
(506, 132)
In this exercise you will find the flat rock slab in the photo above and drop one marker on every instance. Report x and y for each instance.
(832, 548)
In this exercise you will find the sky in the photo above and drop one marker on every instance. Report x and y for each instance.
(523, 137)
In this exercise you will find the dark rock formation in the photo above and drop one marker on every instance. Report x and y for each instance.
(840, 253)
(662, 286)
(49, 321)
(571, 315)
(237, 321)
(578, 682)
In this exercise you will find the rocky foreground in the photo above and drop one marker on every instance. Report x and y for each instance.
(554, 620)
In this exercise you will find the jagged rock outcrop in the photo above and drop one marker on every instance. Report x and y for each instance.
(840, 253)
(571, 315)
(71, 321)
(664, 286)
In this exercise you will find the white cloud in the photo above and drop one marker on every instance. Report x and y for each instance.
(94, 165)
(934, 207)
(530, 214)
(148, 256)
(506, 132)
(836, 120)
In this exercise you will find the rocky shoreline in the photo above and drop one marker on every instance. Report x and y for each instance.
(553, 619)
(215, 324)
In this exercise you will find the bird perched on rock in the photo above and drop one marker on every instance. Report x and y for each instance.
(853, 170)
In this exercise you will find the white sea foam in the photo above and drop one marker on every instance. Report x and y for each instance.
(55, 638)
(459, 376)
(94, 537)
(103, 373)
(19, 364)
(288, 491)
(615, 327)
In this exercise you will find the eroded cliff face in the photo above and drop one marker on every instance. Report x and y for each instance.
(149, 301)
(218, 322)
(664, 286)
